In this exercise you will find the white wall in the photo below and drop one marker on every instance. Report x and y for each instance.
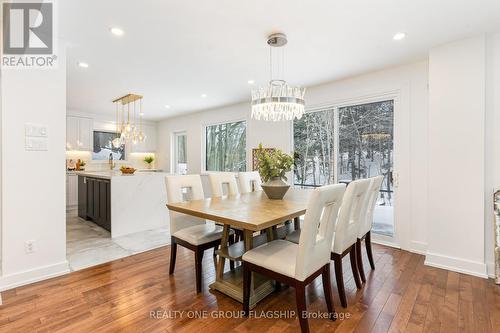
(408, 83)
(457, 156)
(33, 186)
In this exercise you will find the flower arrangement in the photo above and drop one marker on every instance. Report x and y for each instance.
(273, 164)
(149, 159)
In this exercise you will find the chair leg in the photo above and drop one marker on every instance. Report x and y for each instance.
(247, 280)
(173, 255)
(339, 275)
(198, 258)
(368, 243)
(327, 290)
(300, 295)
(354, 266)
(359, 259)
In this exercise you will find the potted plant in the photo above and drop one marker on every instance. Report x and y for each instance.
(149, 160)
(273, 167)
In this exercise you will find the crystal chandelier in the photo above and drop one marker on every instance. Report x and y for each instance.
(128, 125)
(277, 101)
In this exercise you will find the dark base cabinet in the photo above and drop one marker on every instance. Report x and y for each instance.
(94, 200)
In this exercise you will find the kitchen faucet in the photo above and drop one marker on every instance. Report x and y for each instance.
(110, 162)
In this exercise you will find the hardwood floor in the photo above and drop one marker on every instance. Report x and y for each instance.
(401, 295)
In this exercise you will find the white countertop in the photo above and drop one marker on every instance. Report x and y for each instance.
(116, 173)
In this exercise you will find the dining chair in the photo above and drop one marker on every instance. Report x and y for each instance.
(188, 231)
(346, 233)
(217, 182)
(297, 265)
(249, 181)
(219, 179)
(365, 226)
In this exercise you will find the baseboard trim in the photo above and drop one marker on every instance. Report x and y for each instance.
(418, 247)
(491, 269)
(456, 265)
(30, 276)
(386, 243)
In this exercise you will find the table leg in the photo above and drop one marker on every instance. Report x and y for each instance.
(270, 233)
(296, 222)
(223, 245)
(248, 239)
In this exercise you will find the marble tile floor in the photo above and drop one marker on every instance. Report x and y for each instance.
(88, 245)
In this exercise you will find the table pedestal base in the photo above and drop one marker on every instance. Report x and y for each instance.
(231, 285)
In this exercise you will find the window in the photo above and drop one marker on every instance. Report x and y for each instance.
(313, 137)
(180, 151)
(103, 147)
(347, 143)
(225, 148)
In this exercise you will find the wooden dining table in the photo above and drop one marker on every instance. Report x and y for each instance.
(251, 213)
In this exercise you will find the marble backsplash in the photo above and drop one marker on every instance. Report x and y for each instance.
(135, 160)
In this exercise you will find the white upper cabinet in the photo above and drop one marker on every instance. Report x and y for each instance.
(79, 132)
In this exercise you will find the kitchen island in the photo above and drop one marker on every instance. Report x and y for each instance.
(123, 204)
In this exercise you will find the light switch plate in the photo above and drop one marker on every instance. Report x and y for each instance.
(35, 130)
(36, 144)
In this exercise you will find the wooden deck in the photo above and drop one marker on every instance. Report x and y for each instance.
(401, 295)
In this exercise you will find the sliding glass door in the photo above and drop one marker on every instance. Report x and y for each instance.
(366, 149)
(341, 144)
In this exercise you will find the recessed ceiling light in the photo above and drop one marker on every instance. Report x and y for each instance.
(203, 95)
(251, 81)
(116, 31)
(167, 106)
(83, 64)
(399, 36)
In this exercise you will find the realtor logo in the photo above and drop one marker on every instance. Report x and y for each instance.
(28, 34)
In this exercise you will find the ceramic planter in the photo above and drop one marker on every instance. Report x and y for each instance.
(275, 188)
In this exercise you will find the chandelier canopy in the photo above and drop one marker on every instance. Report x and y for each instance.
(277, 101)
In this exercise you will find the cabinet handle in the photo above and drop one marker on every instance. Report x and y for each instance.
(85, 180)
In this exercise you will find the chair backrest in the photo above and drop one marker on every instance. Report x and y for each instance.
(217, 181)
(351, 213)
(249, 181)
(176, 188)
(371, 200)
(316, 236)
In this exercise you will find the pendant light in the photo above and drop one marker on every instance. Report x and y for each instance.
(277, 101)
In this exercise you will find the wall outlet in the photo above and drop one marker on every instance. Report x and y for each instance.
(29, 246)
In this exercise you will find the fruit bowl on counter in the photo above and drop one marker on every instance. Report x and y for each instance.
(127, 170)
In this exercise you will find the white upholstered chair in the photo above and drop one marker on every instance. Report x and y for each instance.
(346, 232)
(365, 226)
(299, 264)
(217, 182)
(189, 231)
(249, 181)
(219, 179)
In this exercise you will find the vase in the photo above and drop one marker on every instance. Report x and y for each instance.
(275, 188)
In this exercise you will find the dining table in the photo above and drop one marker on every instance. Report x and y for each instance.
(259, 219)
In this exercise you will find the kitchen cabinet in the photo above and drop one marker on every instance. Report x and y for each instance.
(79, 133)
(94, 200)
(71, 190)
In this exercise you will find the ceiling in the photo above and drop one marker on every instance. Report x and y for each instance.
(174, 51)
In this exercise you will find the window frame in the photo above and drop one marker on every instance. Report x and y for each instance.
(173, 150)
(204, 141)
